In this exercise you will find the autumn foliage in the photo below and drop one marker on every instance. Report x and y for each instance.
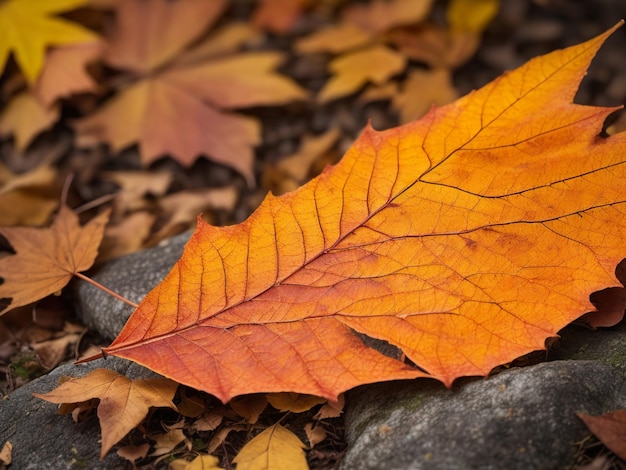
(432, 236)
(465, 239)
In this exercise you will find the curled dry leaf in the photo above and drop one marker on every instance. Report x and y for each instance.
(466, 239)
(124, 403)
(47, 258)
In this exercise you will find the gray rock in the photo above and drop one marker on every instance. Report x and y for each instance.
(518, 419)
(44, 440)
(131, 276)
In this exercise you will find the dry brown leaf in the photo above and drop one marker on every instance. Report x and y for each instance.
(127, 236)
(64, 73)
(182, 208)
(373, 93)
(52, 352)
(134, 186)
(123, 404)
(278, 16)
(47, 258)
(25, 117)
(332, 409)
(207, 422)
(133, 453)
(315, 435)
(376, 64)
(5, 453)
(422, 90)
(220, 436)
(167, 442)
(249, 407)
(174, 96)
(292, 171)
(436, 46)
(335, 39)
(380, 15)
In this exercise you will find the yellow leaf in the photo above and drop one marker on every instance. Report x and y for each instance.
(204, 462)
(276, 448)
(471, 15)
(27, 28)
(375, 64)
(25, 117)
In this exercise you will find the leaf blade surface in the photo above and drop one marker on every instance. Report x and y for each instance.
(466, 239)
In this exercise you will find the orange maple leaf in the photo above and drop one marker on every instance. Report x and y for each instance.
(47, 258)
(466, 239)
(124, 403)
(174, 107)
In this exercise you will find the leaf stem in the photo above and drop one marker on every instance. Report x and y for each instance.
(105, 289)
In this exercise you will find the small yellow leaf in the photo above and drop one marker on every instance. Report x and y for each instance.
(27, 29)
(276, 448)
(376, 64)
(471, 15)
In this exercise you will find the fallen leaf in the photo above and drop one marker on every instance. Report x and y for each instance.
(182, 208)
(52, 352)
(124, 403)
(27, 28)
(294, 402)
(167, 442)
(174, 95)
(293, 170)
(610, 428)
(466, 239)
(315, 435)
(64, 72)
(249, 406)
(47, 258)
(220, 436)
(134, 453)
(25, 117)
(332, 408)
(207, 422)
(421, 90)
(204, 462)
(29, 198)
(379, 15)
(276, 447)
(335, 39)
(471, 15)
(436, 46)
(376, 64)
(5, 453)
(278, 16)
(127, 236)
